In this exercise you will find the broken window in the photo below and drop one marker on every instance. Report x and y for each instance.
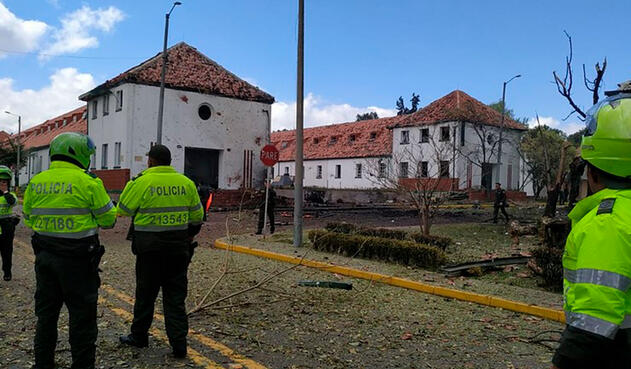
(422, 170)
(405, 137)
(444, 133)
(424, 135)
(204, 111)
(403, 169)
(358, 170)
(444, 169)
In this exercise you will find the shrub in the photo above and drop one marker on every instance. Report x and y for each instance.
(549, 266)
(440, 242)
(348, 228)
(398, 251)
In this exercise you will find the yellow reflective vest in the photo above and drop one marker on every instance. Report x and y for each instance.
(6, 210)
(597, 264)
(160, 200)
(67, 202)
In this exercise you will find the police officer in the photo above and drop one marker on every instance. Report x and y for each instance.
(7, 220)
(500, 203)
(65, 205)
(271, 205)
(597, 257)
(167, 215)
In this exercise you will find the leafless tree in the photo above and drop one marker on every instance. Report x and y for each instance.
(420, 174)
(564, 85)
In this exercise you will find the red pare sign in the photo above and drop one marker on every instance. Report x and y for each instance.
(269, 155)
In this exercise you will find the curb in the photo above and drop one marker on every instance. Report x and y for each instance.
(487, 300)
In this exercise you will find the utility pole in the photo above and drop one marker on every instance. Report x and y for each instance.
(502, 128)
(17, 163)
(298, 179)
(164, 72)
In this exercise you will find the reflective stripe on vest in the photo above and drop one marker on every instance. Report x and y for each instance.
(160, 228)
(75, 235)
(598, 277)
(591, 324)
(103, 209)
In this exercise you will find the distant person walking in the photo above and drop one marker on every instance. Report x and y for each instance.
(8, 221)
(271, 205)
(500, 202)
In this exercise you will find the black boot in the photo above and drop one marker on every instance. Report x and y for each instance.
(7, 276)
(132, 340)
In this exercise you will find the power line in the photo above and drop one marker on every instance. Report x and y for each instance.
(69, 56)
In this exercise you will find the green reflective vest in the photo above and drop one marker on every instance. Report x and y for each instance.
(6, 210)
(67, 202)
(597, 264)
(161, 199)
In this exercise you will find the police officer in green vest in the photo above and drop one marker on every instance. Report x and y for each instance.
(597, 258)
(7, 220)
(167, 215)
(65, 206)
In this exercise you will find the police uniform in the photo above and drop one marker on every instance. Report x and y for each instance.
(65, 206)
(597, 256)
(499, 204)
(7, 227)
(167, 214)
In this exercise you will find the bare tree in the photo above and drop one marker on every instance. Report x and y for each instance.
(421, 174)
(564, 86)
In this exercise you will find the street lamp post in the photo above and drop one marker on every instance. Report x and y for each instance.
(164, 72)
(17, 164)
(499, 154)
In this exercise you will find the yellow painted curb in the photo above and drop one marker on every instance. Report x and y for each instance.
(520, 307)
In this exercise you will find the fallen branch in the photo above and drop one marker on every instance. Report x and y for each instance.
(248, 289)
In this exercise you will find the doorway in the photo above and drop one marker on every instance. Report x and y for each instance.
(202, 166)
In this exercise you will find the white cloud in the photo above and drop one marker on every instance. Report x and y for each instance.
(318, 113)
(36, 106)
(17, 34)
(76, 30)
(567, 127)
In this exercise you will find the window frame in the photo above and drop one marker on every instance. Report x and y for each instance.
(104, 156)
(117, 154)
(106, 104)
(405, 137)
(444, 129)
(95, 109)
(119, 100)
(358, 170)
(338, 171)
(424, 135)
(404, 173)
(423, 169)
(319, 172)
(443, 170)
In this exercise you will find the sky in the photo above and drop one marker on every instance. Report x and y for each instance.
(359, 55)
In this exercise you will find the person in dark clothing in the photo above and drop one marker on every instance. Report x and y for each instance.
(7, 221)
(271, 205)
(500, 202)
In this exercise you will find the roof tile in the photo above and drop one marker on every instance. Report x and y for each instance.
(189, 70)
(458, 106)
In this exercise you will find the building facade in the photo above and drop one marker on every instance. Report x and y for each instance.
(350, 155)
(453, 143)
(214, 123)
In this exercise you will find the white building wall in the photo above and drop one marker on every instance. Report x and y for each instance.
(234, 126)
(348, 178)
(434, 150)
(37, 160)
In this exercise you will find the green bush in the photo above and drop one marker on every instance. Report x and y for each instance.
(398, 251)
(440, 242)
(418, 237)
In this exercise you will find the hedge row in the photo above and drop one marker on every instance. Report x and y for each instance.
(398, 251)
(440, 242)
(418, 237)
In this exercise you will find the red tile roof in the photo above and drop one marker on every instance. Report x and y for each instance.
(335, 141)
(459, 107)
(41, 134)
(189, 70)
